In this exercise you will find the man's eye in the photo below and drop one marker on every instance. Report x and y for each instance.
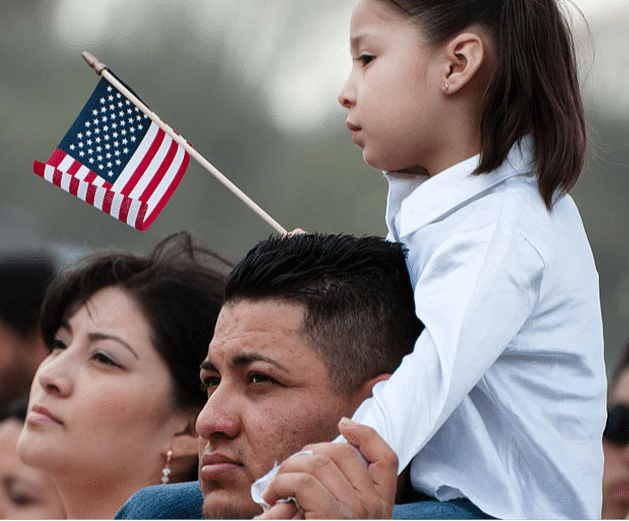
(210, 382)
(258, 378)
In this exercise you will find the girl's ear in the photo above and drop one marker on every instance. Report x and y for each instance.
(464, 56)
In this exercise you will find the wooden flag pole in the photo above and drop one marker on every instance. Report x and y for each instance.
(101, 70)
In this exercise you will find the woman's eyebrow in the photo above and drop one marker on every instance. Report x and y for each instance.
(104, 336)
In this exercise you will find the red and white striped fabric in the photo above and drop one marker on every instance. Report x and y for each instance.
(116, 159)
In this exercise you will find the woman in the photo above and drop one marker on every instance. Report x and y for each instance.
(25, 492)
(113, 406)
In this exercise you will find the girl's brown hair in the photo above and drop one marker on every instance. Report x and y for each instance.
(534, 89)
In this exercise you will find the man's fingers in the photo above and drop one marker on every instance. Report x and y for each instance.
(283, 510)
(383, 462)
(316, 500)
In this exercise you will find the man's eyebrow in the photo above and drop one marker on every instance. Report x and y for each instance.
(244, 360)
(207, 366)
(248, 358)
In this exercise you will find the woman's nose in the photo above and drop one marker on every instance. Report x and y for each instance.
(54, 377)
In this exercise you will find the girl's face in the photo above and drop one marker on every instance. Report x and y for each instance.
(393, 93)
(25, 492)
(101, 402)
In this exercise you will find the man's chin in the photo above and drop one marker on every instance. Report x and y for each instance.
(219, 505)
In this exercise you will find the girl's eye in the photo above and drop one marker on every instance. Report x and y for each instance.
(365, 59)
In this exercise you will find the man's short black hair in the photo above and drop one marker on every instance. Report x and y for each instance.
(359, 309)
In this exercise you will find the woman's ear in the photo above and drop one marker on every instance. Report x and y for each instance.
(185, 442)
(465, 54)
(184, 445)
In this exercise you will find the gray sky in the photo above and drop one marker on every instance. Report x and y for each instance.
(302, 81)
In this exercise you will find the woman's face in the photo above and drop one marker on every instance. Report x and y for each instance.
(25, 492)
(102, 399)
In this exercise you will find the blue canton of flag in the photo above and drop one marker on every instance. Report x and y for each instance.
(107, 132)
(116, 159)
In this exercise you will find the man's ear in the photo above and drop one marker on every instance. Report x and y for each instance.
(364, 391)
(464, 55)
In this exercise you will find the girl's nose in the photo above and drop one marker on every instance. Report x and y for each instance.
(346, 97)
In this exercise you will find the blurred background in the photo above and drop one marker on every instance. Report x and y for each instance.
(252, 84)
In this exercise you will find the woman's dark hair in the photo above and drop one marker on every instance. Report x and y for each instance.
(534, 89)
(179, 287)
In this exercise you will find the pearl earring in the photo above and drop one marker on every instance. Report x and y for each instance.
(444, 87)
(166, 469)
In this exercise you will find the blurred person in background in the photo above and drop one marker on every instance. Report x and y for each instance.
(23, 281)
(25, 492)
(616, 443)
(112, 408)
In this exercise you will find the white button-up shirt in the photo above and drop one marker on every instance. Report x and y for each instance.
(503, 399)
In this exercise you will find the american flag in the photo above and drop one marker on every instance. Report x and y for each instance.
(116, 159)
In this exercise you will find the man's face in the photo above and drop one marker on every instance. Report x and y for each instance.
(269, 394)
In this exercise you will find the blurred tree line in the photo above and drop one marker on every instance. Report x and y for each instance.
(191, 76)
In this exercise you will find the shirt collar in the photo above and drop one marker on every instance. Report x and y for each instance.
(415, 201)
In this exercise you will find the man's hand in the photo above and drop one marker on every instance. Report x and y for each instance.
(335, 482)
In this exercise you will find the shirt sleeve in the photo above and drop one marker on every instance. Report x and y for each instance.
(473, 293)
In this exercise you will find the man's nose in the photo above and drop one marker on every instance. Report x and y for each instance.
(220, 417)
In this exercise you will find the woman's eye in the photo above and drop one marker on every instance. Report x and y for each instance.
(103, 358)
(57, 344)
(19, 498)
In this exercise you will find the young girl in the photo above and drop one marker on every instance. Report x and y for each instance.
(472, 109)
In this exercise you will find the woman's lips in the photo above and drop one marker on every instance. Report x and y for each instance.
(41, 415)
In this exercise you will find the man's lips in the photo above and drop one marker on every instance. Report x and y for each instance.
(40, 415)
(215, 466)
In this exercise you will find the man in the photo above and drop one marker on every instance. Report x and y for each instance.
(616, 443)
(309, 325)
